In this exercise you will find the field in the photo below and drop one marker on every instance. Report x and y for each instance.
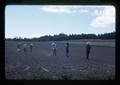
(41, 65)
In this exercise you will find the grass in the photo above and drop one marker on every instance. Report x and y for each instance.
(64, 75)
(67, 77)
(103, 43)
(95, 42)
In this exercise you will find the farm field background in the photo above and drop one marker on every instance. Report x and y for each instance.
(40, 64)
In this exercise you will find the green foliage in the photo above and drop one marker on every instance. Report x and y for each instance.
(64, 75)
(62, 37)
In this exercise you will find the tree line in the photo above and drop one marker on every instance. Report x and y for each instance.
(62, 36)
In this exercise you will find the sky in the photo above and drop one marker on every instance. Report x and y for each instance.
(28, 21)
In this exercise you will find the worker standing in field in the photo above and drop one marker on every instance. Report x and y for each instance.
(18, 47)
(25, 47)
(53, 45)
(31, 47)
(88, 48)
(67, 49)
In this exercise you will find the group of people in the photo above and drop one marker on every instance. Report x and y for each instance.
(19, 47)
(54, 48)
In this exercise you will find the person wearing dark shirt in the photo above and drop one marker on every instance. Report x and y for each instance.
(67, 49)
(88, 48)
(24, 47)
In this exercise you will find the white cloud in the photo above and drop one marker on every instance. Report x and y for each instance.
(64, 9)
(97, 12)
(104, 18)
(56, 9)
(84, 11)
(69, 8)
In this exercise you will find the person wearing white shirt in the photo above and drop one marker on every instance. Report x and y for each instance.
(31, 47)
(53, 45)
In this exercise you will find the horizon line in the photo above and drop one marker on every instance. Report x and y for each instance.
(57, 34)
